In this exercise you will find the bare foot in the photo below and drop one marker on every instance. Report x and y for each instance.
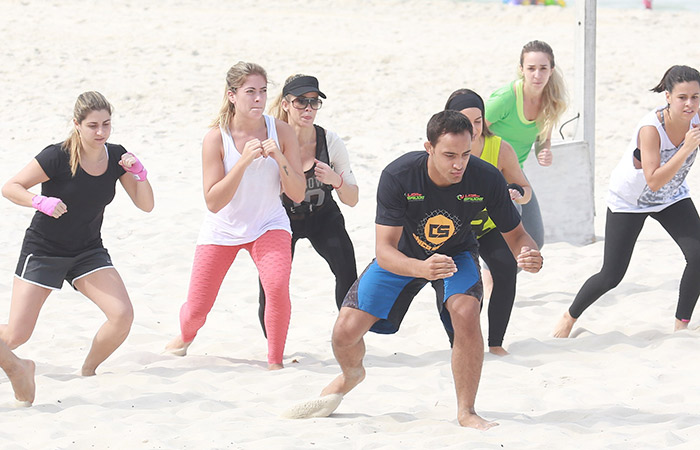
(563, 328)
(88, 371)
(275, 366)
(177, 347)
(22, 380)
(680, 325)
(330, 398)
(344, 382)
(498, 351)
(472, 420)
(318, 407)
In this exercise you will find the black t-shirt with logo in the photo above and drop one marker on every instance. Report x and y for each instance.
(438, 219)
(86, 196)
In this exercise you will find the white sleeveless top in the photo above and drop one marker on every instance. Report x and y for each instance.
(628, 187)
(256, 207)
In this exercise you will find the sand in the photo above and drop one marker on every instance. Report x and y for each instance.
(624, 381)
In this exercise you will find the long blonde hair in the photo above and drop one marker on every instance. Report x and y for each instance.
(554, 98)
(84, 105)
(276, 106)
(235, 77)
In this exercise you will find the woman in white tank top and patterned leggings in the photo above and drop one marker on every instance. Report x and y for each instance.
(650, 181)
(247, 159)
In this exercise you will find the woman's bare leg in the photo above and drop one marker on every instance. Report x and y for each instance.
(106, 289)
(26, 303)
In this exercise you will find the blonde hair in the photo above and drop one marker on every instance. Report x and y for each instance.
(554, 98)
(84, 105)
(235, 77)
(276, 106)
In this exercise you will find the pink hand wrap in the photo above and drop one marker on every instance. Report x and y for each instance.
(45, 204)
(137, 170)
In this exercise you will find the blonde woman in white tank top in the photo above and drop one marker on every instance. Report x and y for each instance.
(247, 160)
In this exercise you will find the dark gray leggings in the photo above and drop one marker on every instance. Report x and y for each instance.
(531, 217)
(682, 223)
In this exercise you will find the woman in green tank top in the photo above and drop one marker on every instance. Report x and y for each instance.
(524, 113)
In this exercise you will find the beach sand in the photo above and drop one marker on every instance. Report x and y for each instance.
(625, 381)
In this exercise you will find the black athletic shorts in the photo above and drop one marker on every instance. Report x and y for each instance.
(50, 271)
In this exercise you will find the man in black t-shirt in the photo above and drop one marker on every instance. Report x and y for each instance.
(425, 203)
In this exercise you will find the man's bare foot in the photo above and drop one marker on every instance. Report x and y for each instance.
(317, 407)
(177, 347)
(498, 351)
(22, 379)
(680, 325)
(275, 366)
(330, 398)
(472, 420)
(88, 371)
(563, 328)
(345, 382)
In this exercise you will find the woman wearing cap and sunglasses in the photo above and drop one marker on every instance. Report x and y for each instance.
(247, 158)
(326, 165)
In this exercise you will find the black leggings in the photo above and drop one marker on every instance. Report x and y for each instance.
(504, 270)
(682, 223)
(325, 229)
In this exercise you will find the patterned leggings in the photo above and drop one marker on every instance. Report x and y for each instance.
(272, 255)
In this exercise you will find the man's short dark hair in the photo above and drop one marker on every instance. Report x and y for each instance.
(446, 122)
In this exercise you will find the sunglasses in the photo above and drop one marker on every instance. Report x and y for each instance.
(303, 102)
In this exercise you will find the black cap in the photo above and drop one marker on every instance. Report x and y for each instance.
(302, 85)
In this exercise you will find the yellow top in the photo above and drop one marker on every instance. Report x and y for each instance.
(482, 223)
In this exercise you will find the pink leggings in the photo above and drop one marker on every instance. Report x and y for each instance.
(272, 255)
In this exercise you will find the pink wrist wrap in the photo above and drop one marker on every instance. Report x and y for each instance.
(45, 204)
(137, 170)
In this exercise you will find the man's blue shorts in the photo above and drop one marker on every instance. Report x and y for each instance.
(387, 296)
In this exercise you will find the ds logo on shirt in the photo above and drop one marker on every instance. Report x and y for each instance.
(436, 229)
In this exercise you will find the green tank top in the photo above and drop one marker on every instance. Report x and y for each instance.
(482, 223)
(504, 112)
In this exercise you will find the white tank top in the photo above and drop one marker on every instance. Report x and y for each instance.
(628, 187)
(256, 207)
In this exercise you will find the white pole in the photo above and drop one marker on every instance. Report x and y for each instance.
(585, 54)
